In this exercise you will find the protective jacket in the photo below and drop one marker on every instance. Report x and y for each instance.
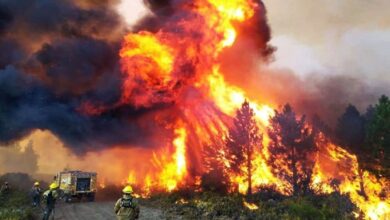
(4, 189)
(36, 191)
(49, 201)
(126, 208)
(36, 195)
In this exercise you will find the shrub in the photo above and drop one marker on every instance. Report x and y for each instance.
(16, 206)
(303, 210)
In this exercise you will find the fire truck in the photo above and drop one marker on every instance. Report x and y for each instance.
(76, 185)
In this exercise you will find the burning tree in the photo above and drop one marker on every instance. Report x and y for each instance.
(367, 136)
(350, 133)
(291, 149)
(243, 138)
(216, 177)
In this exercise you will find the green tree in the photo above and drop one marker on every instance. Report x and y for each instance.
(292, 148)
(350, 130)
(367, 136)
(242, 140)
(378, 135)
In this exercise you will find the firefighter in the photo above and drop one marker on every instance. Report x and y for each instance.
(36, 192)
(126, 208)
(49, 199)
(4, 189)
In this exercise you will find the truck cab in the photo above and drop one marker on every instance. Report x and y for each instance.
(76, 185)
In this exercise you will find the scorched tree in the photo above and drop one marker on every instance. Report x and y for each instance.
(292, 148)
(242, 140)
(215, 178)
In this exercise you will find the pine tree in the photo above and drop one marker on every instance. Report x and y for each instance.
(243, 138)
(350, 134)
(215, 178)
(350, 130)
(378, 135)
(292, 148)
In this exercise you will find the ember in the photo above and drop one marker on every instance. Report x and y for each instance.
(250, 206)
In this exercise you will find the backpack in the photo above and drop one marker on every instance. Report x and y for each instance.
(50, 199)
(127, 203)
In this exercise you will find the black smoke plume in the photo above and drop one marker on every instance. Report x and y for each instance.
(55, 56)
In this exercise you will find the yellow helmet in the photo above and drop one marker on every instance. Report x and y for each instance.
(53, 186)
(36, 184)
(127, 190)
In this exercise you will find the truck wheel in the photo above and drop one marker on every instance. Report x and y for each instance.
(91, 197)
(67, 198)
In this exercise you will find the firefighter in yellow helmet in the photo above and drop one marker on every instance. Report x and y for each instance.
(36, 192)
(49, 200)
(126, 208)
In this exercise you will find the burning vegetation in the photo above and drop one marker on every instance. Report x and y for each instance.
(173, 92)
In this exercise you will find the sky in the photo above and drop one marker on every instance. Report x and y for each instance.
(349, 37)
(325, 37)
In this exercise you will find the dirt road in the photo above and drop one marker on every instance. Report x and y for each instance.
(98, 211)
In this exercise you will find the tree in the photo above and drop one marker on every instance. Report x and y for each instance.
(350, 130)
(215, 178)
(368, 137)
(242, 140)
(378, 135)
(292, 148)
(320, 126)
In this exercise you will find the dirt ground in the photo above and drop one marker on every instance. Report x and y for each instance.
(98, 211)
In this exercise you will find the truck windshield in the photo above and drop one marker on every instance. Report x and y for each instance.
(83, 184)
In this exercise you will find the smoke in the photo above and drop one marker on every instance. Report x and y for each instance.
(320, 72)
(325, 96)
(342, 61)
(163, 12)
(314, 22)
(157, 6)
(54, 57)
(60, 58)
(11, 157)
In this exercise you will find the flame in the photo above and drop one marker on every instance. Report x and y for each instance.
(337, 163)
(229, 98)
(250, 206)
(181, 64)
(151, 55)
(175, 171)
(227, 13)
(181, 201)
(131, 179)
(102, 185)
(146, 58)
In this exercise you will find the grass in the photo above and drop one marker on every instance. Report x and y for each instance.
(16, 205)
(207, 205)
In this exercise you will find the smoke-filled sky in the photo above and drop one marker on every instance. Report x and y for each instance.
(348, 39)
